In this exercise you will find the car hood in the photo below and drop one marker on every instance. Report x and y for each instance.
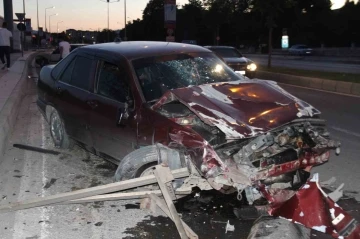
(236, 60)
(243, 108)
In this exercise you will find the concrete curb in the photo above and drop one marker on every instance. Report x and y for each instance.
(9, 112)
(315, 83)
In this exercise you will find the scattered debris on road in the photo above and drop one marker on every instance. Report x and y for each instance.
(229, 227)
(36, 149)
(50, 183)
(309, 206)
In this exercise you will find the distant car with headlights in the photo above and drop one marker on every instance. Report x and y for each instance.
(300, 50)
(235, 60)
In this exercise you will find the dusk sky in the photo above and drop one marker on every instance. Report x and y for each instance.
(86, 14)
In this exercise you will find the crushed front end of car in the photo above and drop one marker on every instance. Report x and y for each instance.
(250, 137)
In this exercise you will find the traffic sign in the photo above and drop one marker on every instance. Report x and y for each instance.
(170, 38)
(285, 42)
(170, 31)
(21, 27)
(20, 16)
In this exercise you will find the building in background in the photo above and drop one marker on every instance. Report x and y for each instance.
(80, 35)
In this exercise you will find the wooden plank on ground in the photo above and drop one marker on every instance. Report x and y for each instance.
(88, 192)
(113, 197)
(162, 175)
(161, 204)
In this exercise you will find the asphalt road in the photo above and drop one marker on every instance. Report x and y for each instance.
(26, 175)
(306, 63)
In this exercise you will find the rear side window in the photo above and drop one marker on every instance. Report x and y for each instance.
(113, 83)
(66, 75)
(81, 72)
(61, 65)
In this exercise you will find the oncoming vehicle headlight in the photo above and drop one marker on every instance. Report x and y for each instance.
(251, 67)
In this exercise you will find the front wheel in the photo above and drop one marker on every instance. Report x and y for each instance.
(137, 163)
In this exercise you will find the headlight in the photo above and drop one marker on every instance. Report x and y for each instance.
(251, 67)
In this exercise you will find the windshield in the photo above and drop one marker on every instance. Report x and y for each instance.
(157, 75)
(227, 52)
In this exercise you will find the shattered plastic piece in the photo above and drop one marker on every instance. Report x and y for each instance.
(337, 193)
(229, 227)
(320, 228)
(320, 211)
(328, 182)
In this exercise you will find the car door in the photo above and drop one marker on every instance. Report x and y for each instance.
(112, 123)
(72, 93)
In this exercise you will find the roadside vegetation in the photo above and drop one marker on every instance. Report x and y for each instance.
(316, 74)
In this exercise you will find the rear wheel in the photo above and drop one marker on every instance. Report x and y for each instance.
(58, 133)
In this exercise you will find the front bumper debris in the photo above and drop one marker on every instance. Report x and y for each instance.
(312, 207)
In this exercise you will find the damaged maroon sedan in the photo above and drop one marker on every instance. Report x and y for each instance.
(139, 104)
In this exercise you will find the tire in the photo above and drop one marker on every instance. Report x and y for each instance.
(267, 227)
(58, 132)
(136, 163)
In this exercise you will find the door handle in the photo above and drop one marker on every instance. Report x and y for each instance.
(92, 104)
(59, 90)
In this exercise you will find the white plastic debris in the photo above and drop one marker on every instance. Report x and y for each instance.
(229, 227)
(328, 182)
(337, 194)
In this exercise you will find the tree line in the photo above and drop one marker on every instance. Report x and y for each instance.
(249, 23)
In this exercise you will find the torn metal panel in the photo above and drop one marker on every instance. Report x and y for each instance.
(241, 134)
(242, 110)
(313, 208)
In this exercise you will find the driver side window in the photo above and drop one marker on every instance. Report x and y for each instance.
(113, 83)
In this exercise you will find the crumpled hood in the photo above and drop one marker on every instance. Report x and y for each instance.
(244, 108)
(236, 60)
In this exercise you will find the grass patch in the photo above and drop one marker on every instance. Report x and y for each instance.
(349, 77)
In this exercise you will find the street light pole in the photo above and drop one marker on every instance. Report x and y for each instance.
(108, 9)
(37, 13)
(57, 26)
(50, 21)
(45, 16)
(125, 38)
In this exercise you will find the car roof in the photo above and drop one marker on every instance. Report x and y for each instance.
(219, 47)
(140, 49)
